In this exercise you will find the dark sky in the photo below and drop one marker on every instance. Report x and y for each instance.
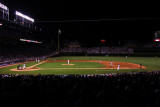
(129, 20)
(45, 10)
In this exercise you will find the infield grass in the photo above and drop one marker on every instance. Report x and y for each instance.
(76, 65)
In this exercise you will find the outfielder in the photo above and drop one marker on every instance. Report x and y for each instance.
(68, 61)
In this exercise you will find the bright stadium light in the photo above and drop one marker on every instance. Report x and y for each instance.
(3, 6)
(24, 16)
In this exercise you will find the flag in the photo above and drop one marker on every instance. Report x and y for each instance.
(59, 31)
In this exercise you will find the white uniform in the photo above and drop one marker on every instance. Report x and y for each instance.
(38, 60)
(111, 63)
(118, 67)
(68, 61)
(24, 65)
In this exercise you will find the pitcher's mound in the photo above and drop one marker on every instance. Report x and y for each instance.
(67, 64)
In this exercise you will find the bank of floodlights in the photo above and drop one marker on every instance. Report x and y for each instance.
(3, 6)
(4, 12)
(24, 16)
(24, 20)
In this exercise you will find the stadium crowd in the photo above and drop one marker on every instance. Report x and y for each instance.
(12, 60)
(8, 60)
(99, 50)
(23, 53)
(108, 90)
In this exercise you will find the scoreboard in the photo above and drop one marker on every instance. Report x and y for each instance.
(157, 36)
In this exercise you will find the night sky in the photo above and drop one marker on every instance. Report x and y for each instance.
(92, 21)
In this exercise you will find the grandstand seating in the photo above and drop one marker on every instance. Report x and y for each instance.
(109, 90)
(99, 50)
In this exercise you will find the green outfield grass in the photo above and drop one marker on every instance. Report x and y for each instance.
(152, 64)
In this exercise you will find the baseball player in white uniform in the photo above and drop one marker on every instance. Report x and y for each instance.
(68, 61)
(24, 66)
(118, 67)
(111, 63)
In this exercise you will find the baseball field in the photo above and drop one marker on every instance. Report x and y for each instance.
(85, 65)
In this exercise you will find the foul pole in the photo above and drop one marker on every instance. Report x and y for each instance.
(59, 32)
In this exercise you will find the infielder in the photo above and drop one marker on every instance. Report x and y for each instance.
(111, 63)
(68, 61)
(118, 67)
(140, 65)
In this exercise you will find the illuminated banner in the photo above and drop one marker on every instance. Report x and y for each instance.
(25, 40)
(24, 16)
(3, 6)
